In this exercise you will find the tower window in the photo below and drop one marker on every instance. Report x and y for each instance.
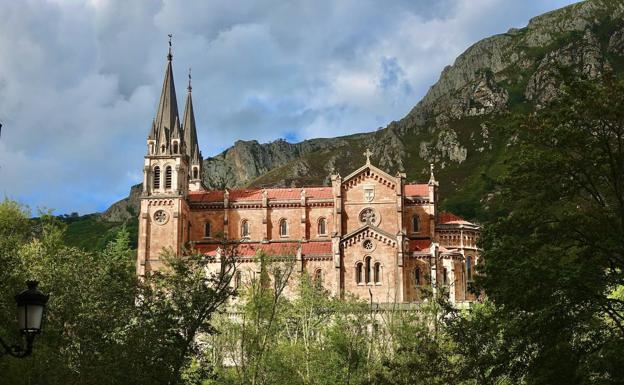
(377, 272)
(156, 177)
(469, 268)
(367, 271)
(415, 224)
(195, 173)
(168, 177)
(283, 228)
(245, 228)
(207, 230)
(162, 149)
(445, 276)
(358, 273)
(175, 147)
(322, 226)
(417, 276)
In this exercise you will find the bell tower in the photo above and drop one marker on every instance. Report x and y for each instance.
(164, 213)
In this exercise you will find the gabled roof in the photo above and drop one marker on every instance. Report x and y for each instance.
(357, 234)
(369, 166)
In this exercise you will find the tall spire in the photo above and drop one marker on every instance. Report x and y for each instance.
(167, 112)
(188, 125)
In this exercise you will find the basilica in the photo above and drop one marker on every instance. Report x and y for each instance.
(369, 233)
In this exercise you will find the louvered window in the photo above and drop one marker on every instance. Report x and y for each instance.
(168, 177)
(156, 177)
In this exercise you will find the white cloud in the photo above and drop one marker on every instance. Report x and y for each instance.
(79, 80)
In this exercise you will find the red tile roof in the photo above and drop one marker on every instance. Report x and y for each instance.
(419, 244)
(446, 217)
(256, 194)
(421, 190)
(277, 248)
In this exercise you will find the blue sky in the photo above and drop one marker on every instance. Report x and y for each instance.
(79, 80)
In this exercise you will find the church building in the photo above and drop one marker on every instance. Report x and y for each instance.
(369, 233)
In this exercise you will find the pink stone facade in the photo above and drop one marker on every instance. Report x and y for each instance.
(369, 233)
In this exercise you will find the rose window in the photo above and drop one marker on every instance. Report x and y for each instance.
(368, 216)
(368, 244)
(160, 217)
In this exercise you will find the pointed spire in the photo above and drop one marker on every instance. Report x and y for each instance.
(188, 125)
(167, 112)
(176, 133)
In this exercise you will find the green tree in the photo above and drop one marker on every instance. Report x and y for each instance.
(555, 260)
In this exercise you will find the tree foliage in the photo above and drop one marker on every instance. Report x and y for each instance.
(555, 261)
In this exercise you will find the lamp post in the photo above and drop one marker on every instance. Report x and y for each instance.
(30, 307)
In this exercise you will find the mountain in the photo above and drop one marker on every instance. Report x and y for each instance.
(456, 126)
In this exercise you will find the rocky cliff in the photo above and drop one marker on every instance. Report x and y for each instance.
(456, 125)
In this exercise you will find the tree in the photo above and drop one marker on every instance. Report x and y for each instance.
(554, 262)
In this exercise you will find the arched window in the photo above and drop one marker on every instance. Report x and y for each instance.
(175, 147)
(358, 273)
(168, 177)
(283, 227)
(162, 149)
(318, 278)
(322, 226)
(415, 224)
(237, 279)
(245, 228)
(207, 230)
(195, 172)
(469, 268)
(377, 272)
(367, 271)
(156, 177)
(417, 276)
(445, 276)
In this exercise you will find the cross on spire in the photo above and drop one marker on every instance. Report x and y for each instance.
(169, 55)
(368, 154)
(189, 86)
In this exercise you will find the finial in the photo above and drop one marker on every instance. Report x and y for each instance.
(431, 177)
(169, 55)
(368, 154)
(189, 86)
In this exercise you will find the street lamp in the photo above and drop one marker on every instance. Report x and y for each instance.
(30, 306)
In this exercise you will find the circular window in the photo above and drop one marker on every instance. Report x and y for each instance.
(369, 216)
(368, 245)
(161, 217)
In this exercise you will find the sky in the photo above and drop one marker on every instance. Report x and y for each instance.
(80, 80)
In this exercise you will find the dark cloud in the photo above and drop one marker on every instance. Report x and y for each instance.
(79, 81)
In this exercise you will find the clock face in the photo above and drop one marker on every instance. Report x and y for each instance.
(161, 217)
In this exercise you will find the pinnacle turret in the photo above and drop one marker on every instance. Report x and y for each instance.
(188, 125)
